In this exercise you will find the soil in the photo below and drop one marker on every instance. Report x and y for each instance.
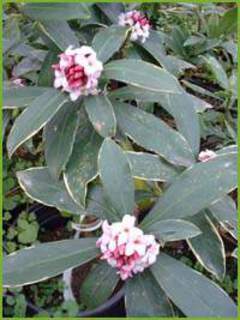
(78, 276)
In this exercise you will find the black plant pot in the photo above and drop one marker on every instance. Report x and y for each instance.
(114, 307)
(50, 219)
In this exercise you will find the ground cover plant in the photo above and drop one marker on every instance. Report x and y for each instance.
(123, 118)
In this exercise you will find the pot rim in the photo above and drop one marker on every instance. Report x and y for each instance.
(106, 305)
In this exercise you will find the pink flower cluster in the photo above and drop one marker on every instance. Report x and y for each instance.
(139, 24)
(206, 155)
(126, 247)
(78, 71)
(18, 82)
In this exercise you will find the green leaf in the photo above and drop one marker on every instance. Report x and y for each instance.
(59, 134)
(231, 129)
(34, 118)
(154, 45)
(206, 47)
(100, 283)
(201, 90)
(56, 11)
(149, 132)
(101, 115)
(12, 33)
(25, 66)
(194, 40)
(176, 66)
(108, 41)
(8, 44)
(235, 253)
(212, 25)
(231, 48)
(28, 232)
(21, 97)
(226, 150)
(195, 189)
(131, 92)
(57, 34)
(176, 40)
(225, 211)
(217, 70)
(180, 106)
(6, 117)
(116, 177)
(95, 20)
(147, 166)
(46, 77)
(82, 165)
(233, 85)
(145, 298)
(142, 74)
(173, 230)
(208, 247)
(40, 186)
(134, 53)
(97, 205)
(199, 105)
(228, 22)
(46, 260)
(190, 291)
(111, 10)
(25, 50)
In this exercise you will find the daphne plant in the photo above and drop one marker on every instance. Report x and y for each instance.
(108, 156)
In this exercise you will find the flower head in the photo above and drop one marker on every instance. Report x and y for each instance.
(138, 22)
(77, 72)
(18, 82)
(206, 155)
(126, 248)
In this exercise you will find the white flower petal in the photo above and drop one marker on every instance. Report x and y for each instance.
(74, 95)
(128, 221)
(140, 249)
(122, 238)
(129, 249)
(112, 245)
(57, 82)
(135, 233)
